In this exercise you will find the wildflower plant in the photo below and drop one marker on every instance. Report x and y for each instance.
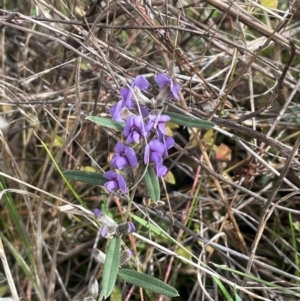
(140, 157)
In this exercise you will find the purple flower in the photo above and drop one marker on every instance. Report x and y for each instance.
(168, 142)
(125, 102)
(116, 181)
(116, 111)
(154, 151)
(124, 155)
(160, 169)
(134, 129)
(140, 83)
(163, 81)
(157, 122)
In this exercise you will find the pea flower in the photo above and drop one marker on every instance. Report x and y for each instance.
(154, 151)
(157, 122)
(139, 84)
(168, 142)
(116, 181)
(165, 82)
(134, 129)
(124, 156)
(160, 169)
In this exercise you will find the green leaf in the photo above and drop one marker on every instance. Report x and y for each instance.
(223, 289)
(93, 178)
(269, 3)
(111, 266)
(189, 121)
(237, 297)
(152, 184)
(147, 282)
(145, 223)
(107, 122)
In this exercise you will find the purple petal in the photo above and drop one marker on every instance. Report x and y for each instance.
(147, 154)
(131, 157)
(118, 162)
(174, 89)
(169, 142)
(157, 146)
(127, 97)
(161, 170)
(111, 186)
(155, 158)
(125, 93)
(96, 212)
(136, 137)
(104, 231)
(140, 82)
(131, 227)
(121, 183)
(162, 80)
(110, 175)
(159, 118)
(117, 111)
(161, 128)
(144, 111)
(120, 148)
(128, 126)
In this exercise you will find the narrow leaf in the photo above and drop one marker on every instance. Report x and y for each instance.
(93, 178)
(189, 121)
(152, 184)
(147, 282)
(111, 266)
(237, 297)
(145, 223)
(107, 122)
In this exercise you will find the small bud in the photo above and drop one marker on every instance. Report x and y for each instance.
(93, 287)
(104, 231)
(96, 212)
(99, 256)
(125, 228)
(109, 231)
(125, 256)
(104, 219)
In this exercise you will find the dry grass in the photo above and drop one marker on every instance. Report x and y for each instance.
(236, 187)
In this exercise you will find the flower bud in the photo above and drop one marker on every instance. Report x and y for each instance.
(125, 228)
(125, 256)
(93, 287)
(99, 256)
(109, 231)
(104, 219)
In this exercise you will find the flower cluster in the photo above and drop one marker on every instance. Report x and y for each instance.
(144, 130)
